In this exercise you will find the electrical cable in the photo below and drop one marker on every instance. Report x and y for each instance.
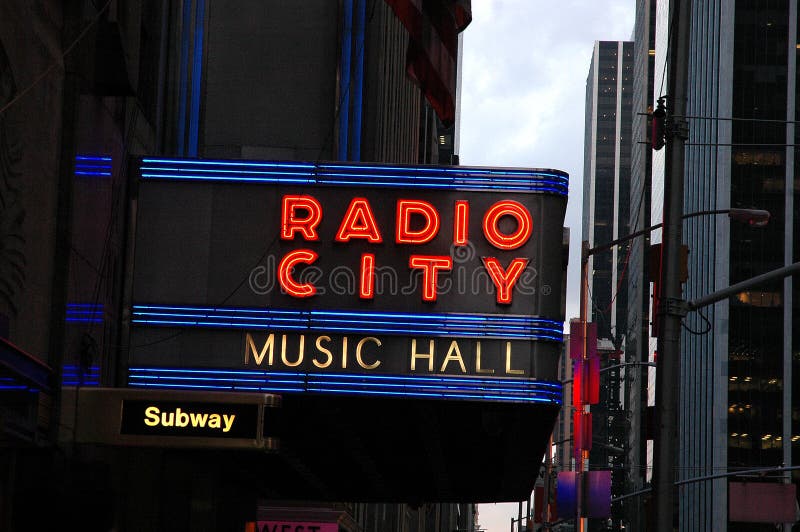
(698, 333)
(64, 54)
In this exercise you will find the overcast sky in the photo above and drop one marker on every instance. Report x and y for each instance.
(522, 104)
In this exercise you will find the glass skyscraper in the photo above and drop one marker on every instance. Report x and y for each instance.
(606, 200)
(739, 408)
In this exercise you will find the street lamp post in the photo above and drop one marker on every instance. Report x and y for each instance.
(671, 311)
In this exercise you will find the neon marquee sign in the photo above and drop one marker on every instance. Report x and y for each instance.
(375, 271)
(301, 216)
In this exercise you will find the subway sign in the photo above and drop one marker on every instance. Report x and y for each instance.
(198, 419)
(418, 281)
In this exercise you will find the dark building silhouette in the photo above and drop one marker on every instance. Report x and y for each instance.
(84, 86)
(606, 217)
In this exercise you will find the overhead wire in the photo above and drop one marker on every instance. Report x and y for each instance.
(55, 64)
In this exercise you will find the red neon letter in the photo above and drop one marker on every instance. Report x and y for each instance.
(507, 208)
(359, 222)
(430, 266)
(460, 227)
(405, 235)
(289, 285)
(367, 285)
(306, 226)
(504, 280)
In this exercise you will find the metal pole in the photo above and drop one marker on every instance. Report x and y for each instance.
(724, 293)
(671, 307)
(548, 468)
(758, 471)
(583, 523)
(528, 519)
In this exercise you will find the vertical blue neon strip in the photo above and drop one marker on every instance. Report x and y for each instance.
(344, 80)
(184, 75)
(358, 89)
(197, 70)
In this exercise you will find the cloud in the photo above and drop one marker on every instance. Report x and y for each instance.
(525, 66)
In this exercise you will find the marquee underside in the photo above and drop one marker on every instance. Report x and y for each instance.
(397, 450)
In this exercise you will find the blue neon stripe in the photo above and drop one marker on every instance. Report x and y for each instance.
(324, 177)
(497, 389)
(424, 387)
(85, 313)
(345, 79)
(370, 315)
(197, 70)
(442, 325)
(434, 378)
(92, 165)
(74, 375)
(235, 179)
(100, 158)
(455, 185)
(232, 380)
(418, 173)
(234, 173)
(183, 84)
(433, 395)
(458, 178)
(358, 80)
(334, 168)
(398, 331)
(504, 382)
(103, 174)
(466, 170)
(260, 321)
(215, 371)
(254, 164)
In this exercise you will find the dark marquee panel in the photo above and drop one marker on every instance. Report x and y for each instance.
(201, 223)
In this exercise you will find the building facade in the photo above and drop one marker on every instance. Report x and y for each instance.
(607, 153)
(738, 405)
(607, 204)
(86, 85)
(638, 349)
(737, 366)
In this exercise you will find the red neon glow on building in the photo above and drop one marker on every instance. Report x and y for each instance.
(287, 264)
(291, 223)
(367, 284)
(359, 222)
(520, 235)
(504, 280)
(430, 265)
(405, 235)
(460, 223)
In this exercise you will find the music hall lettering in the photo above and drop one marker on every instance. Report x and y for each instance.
(389, 354)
